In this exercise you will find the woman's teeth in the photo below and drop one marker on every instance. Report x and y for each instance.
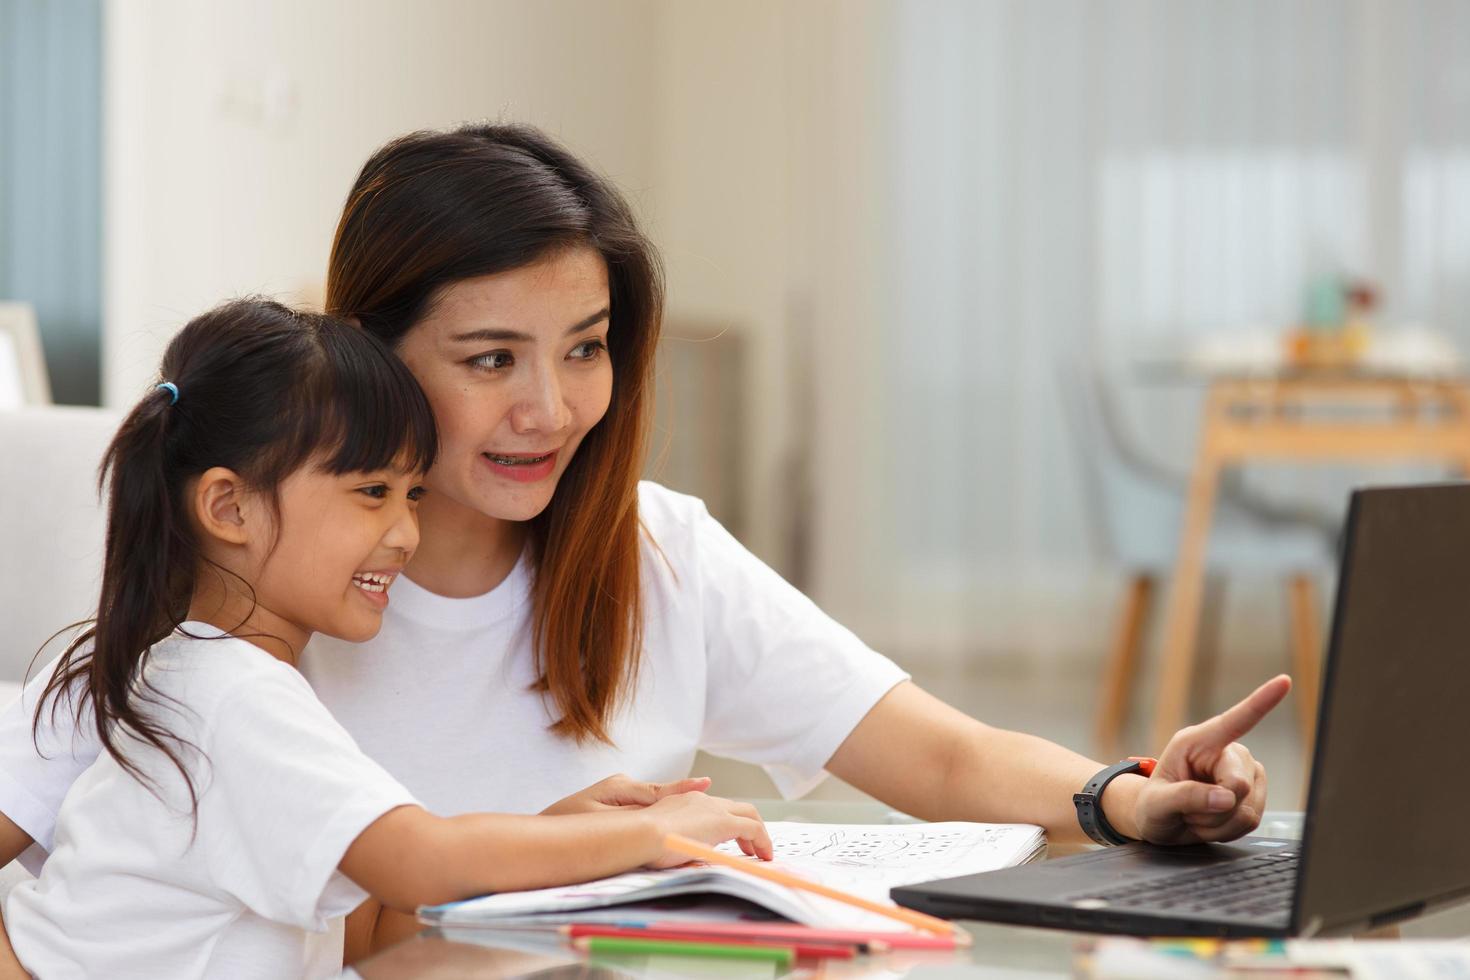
(372, 581)
(516, 460)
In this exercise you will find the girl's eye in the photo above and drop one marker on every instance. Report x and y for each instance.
(417, 493)
(494, 361)
(589, 350)
(378, 491)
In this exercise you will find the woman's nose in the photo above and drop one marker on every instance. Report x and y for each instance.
(542, 407)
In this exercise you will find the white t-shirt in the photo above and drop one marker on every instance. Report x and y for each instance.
(736, 661)
(135, 888)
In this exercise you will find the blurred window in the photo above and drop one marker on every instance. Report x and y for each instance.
(50, 183)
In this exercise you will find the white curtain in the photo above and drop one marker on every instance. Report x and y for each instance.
(1074, 177)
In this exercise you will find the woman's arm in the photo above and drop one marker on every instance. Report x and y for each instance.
(918, 754)
(409, 857)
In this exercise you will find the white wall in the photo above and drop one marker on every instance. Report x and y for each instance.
(233, 131)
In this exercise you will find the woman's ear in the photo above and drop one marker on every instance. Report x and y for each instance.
(220, 505)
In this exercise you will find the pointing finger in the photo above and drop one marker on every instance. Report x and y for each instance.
(1233, 723)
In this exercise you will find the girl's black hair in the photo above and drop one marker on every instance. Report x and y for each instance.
(262, 390)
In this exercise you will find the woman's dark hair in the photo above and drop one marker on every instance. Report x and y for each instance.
(262, 390)
(435, 208)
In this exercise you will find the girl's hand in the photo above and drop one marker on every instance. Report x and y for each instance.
(621, 792)
(709, 820)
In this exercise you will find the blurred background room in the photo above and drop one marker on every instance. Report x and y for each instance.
(969, 302)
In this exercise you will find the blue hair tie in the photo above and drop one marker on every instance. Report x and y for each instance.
(173, 390)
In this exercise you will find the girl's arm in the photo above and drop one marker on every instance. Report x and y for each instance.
(371, 927)
(408, 857)
(13, 840)
(10, 968)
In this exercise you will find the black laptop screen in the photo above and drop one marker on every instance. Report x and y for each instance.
(1389, 801)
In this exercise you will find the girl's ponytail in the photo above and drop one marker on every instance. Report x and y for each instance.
(147, 580)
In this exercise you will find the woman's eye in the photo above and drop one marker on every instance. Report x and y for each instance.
(494, 361)
(377, 492)
(588, 350)
(417, 493)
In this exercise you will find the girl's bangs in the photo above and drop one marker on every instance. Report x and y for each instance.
(367, 413)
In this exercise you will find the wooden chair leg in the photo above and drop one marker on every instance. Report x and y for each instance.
(1181, 612)
(1306, 652)
(1121, 670)
(1207, 647)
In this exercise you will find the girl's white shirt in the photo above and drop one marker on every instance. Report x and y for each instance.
(736, 661)
(136, 886)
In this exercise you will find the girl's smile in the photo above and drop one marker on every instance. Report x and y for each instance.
(374, 585)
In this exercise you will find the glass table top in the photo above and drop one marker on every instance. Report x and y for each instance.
(999, 951)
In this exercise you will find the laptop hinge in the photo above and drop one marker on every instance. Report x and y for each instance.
(1394, 915)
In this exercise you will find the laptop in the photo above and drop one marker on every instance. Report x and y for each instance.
(1384, 836)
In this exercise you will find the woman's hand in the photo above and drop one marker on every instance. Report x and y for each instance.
(620, 791)
(1207, 786)
(709, 820)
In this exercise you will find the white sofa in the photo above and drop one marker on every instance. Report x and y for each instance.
(51, 561)
(53, 521)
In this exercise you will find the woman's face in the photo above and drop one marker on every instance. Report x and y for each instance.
(517, 370)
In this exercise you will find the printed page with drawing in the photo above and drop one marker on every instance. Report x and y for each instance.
(861, 859)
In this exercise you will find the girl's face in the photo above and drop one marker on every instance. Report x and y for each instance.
(516, 368)
(335, 545)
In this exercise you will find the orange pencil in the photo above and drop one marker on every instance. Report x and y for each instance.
(877, 941)
(811, 950)
(694, 849)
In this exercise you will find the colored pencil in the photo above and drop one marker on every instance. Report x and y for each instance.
(694, 849)
(839, 951)
(798, 933)
(780, 955)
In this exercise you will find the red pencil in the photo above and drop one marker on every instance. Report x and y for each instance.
(877, 941)
(828, 951)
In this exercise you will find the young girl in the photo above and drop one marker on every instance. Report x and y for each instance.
(266, 490)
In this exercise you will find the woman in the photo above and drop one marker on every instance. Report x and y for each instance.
(560, 621)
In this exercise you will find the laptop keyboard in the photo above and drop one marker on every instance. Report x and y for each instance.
(1255, 886)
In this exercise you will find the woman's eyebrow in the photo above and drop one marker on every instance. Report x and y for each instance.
(491, 334)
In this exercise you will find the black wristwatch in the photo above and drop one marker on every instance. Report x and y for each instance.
(1089, 802)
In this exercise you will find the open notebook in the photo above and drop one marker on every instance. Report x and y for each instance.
(861, 859)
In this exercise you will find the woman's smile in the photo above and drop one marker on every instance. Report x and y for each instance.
(522, 468)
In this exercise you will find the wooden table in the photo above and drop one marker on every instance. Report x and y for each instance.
(1300, 418)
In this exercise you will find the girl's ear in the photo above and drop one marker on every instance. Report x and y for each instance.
(219, 504)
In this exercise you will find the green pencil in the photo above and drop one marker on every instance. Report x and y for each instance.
(782, 956)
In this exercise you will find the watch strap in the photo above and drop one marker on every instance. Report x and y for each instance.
(1090, 814)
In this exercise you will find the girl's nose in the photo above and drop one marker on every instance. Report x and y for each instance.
(403, 535)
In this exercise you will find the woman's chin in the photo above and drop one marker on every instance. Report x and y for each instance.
(516, 502)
